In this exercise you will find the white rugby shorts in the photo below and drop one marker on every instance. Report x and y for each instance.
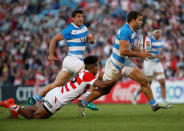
(150, 67)
(52, 100)
(111, 71)
(72, 64)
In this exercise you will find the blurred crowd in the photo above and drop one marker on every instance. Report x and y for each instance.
(27, 27)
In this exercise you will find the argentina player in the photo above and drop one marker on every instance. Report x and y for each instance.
(124, 48)
(76, 34)
(153, 67)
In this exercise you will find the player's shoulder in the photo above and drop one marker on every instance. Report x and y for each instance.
(125, 29)
(69, 27)
(84, 26)
(87, 76)
(153, 40)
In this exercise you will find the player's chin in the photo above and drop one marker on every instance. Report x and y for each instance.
(138, 27)
(80, 23)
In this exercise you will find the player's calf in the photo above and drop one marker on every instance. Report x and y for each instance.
(81, 107)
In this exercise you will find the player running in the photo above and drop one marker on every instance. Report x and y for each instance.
(60, 96)
(153, 67)
(76, 34)
(124, 48)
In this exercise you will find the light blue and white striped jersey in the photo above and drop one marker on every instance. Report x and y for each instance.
(124, 33)
(156, 48)
(76, 39)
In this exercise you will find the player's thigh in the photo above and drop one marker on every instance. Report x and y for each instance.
(110, 71)
(72, 65)
(159, 72)
(62, 77)
(41, 113)
(148, 68)
(138, 76)
(32, 108)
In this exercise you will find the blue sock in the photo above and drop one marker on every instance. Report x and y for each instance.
(84, 102)
(152, 102)
(37, 97)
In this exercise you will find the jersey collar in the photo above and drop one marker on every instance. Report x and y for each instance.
(75, 25)
(130, 28)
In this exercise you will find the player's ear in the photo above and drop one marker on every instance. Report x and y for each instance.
(73, 18)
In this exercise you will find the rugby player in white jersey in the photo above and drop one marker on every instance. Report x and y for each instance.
(76, 35)
(153, 67)
(124, 48)
(60, 96)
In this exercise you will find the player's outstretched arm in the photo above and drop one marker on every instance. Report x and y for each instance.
(52, 46)
(108, 83)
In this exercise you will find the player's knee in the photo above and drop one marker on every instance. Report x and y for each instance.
(162, 83)
(144, 82)
(106, 91)
(56, 84)
(29, 116)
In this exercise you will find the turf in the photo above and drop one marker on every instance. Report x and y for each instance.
(110, 117)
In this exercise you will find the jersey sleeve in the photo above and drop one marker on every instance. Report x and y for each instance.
(125, 35)
(89, 78)
(66, 33)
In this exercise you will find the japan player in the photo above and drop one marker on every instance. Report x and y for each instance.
(60, 96)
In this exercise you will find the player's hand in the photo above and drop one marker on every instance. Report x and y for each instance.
(52, 59)
(158, 56)
(118, 76)
(145, 54)
(91, 38)
(100, 76)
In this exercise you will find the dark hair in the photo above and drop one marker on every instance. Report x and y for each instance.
(133, 15)
(78, 11)
(156, 28)
(91, 60)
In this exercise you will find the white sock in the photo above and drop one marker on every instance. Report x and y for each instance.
(164, 100)
(14, 108)
(136, 93)
(87, 94)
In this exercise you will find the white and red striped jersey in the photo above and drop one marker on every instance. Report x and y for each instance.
(78, 86)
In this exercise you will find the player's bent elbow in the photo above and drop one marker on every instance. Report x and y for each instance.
(123, 52)
(101, 86)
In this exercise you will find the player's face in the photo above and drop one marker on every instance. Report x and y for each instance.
(157, 35)
(78, 19)
(138, 22)
(94, 69)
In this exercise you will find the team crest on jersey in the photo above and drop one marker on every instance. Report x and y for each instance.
(133, 36)
(74, 32)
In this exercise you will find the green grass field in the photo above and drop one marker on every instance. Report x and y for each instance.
(110, 117)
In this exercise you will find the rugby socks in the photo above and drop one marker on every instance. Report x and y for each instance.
(38, 97)
(136, 93)
(84, 102)
(152, 102)
(87, 94)
(14, 108)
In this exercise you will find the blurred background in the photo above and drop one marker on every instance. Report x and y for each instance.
(27, 27)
